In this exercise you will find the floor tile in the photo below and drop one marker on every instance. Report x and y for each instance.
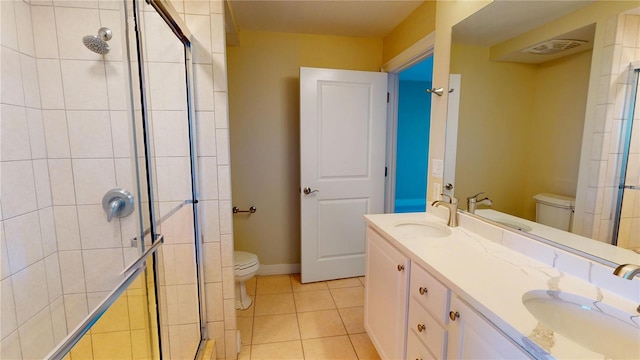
(245, 325)
(274, 304)
(316, 324)
(273, 284)
(297, 284)
(250, 285)
(245, 352)
(281, 350)
(338, 347)
(342, 283)
(353, 319)
(348, 297)
(313, 300)
(248, 312)
(275, 328)
(364, 347)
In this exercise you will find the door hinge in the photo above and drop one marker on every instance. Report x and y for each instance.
(387, 98)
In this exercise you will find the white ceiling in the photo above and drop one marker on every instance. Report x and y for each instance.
(361, 18)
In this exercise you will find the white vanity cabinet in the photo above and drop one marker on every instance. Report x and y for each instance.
(386, 298)
(471, 336)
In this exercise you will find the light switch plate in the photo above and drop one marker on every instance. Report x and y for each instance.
(437, 170)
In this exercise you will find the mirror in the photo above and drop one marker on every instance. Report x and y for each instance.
(531, 123)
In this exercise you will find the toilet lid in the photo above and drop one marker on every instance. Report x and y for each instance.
(243, 259)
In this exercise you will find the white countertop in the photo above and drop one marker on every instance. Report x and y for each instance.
(492, 276)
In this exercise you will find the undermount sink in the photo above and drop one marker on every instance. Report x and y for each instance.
(417, 229)
(596, 326)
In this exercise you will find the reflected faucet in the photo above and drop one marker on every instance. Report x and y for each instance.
(473, 201)
(452, 205)
(627, 271)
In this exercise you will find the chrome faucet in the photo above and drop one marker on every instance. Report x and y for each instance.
(452, 205)
(473, 201)
(627, 271)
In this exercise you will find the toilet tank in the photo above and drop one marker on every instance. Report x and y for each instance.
(554, 210)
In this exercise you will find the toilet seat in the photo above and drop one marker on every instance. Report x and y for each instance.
(243, 260)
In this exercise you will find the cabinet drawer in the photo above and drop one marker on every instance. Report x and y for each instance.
(416, 349)
(427, 329)
(430, 293)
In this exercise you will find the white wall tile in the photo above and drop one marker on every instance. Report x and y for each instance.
(61, 178)
(48, 231)
(218, 33)
(67, 228)
(36, 134)
(50, 78)
(95, 231)
(158, 49)
(30, 291)
(12, 89)
(10, 346)
(8, 321)
(222, 113)
(72, 24)
(36, 336)
(164, 94)
(56, 134)
(208, 178)
(8, 29)
(121, 134)
(113, 20)
(226, 221)
(30, 81)
(117, 86)
(54, 279)
(222, 145)
(124, 175)
(102, 268)
(196, 7)
(217, 6)
(224, 182)
(188, 311)
(90, 134)
(212, 268)
(174, 178)
(18, 191)
(24, 243)
(200, 27)
(185, 264)
(226, 250)
(213, 298)
(15, 133)
(58, 320)
(205, 123)
(85, 85)
(44, 30)
(93, 178)
(219, 72)
(110, 4)
(5, 270)
(24, 27)
(72, 272)
(203, 79)
(209, 220)
(170, 133)
(43, 185)
(228, 283)
(76, 309)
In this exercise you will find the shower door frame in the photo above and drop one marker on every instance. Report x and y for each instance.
(624, 142)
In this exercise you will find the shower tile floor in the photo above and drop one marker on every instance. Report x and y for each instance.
(291, 320)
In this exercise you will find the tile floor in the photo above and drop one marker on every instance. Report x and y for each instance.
(291, 320)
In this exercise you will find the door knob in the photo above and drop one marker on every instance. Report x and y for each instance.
(423, 290)
(308, 191)
(453, 315)
(421, 327)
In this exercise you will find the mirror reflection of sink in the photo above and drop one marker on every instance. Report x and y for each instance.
(414, 229)
(596, 326)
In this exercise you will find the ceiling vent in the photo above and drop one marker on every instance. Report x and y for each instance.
(554, 46)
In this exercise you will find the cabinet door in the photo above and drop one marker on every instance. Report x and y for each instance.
(386, 296)
(473, 337)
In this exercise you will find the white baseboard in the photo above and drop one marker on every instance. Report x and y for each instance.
(279, 269)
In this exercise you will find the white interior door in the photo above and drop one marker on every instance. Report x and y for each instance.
(342, 155)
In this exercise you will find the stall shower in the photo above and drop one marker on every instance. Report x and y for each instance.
(115, 221)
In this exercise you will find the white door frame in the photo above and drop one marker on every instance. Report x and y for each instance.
(417, 52)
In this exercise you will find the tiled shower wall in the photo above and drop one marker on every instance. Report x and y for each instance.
(65, 142)
(621, 47)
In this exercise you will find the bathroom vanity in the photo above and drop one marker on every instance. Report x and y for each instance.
(483, 291)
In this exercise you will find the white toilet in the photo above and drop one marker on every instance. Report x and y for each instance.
(245, 266)
(555, 210)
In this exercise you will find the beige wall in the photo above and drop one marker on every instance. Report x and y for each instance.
(420, 23)
(263, 77)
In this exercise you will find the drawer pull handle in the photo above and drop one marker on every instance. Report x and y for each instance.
(423, 290)
(453, 315)
(421, 327)
(400, 267)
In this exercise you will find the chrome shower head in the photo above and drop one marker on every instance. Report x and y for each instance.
(98, 43)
